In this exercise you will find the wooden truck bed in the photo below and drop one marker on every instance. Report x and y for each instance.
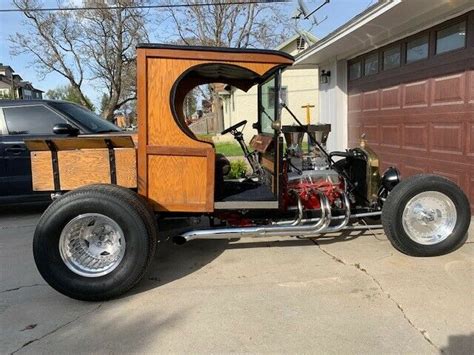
(63, 164)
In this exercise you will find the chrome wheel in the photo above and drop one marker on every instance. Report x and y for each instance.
(92, 245)
(429, 217)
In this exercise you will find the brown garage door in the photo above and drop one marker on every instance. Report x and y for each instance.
(419, 116)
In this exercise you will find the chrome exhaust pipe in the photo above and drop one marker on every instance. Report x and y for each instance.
(262, 231)
(305, 228)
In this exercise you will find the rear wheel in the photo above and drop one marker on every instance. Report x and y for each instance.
(426, 215)
(95, 243)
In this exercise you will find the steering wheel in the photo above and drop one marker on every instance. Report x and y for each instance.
(234, 127)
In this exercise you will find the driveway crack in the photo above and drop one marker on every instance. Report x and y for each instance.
(28, 343)
(20, 287)
(423, 332)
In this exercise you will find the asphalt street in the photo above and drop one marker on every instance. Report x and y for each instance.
(349, 293)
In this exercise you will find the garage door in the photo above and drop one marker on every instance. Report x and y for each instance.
(417, 108)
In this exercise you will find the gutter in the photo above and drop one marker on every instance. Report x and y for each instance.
(356, 22)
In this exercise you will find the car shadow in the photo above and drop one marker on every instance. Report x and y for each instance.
(23, 208)
(173, 262)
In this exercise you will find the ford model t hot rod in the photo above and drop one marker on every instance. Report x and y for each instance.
(112, 192)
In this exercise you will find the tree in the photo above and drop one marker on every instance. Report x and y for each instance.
(223, 24)
(52, 38)
(97, 44)
(111, 36)
(68, 93)
(190, 103)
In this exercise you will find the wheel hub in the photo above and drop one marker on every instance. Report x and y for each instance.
(92, 245)
(429, 217)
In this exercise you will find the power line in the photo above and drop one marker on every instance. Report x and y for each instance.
(221, 3)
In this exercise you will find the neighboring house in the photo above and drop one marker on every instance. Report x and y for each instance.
(402, 72)
(299, 88)
(12, 86)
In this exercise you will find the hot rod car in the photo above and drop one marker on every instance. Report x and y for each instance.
(112, 192)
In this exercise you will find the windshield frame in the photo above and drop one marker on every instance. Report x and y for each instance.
(276, 111)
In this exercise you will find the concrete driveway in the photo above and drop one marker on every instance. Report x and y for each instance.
(351, 294)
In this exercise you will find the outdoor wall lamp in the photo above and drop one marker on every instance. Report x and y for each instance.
(325, 76)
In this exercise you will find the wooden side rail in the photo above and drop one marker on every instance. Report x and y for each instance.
(63, 164)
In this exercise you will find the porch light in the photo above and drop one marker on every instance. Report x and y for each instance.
(325, 76)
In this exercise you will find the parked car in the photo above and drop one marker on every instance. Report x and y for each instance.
(26, 119)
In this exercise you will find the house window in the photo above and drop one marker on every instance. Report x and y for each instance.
(371, 64)
(391, 58)
(300, 43)
(417, 49)
(451, 38)
(355, 70)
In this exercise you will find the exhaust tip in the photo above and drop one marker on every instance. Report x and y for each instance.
(179, 240)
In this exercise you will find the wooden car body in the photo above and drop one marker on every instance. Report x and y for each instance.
(169, 166)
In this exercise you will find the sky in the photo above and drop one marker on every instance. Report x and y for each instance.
(337, 11)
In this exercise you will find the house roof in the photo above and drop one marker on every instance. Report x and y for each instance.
(309, 37)
(5, 67)
(379, 24)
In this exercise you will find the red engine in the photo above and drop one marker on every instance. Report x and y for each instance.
(307, 185)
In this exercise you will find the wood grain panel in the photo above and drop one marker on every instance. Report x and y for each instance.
(355, 102)
(75, 167)
(176, 182)
(390, 98)
(371, 133)
(268, 164)
(390, 135)
(446, 137)
(42, 171)
(415, 136)
(470, 87)
(126, 167)
(449, 90)
(416, 94)
(370, 101)
(409, 170)
(167, 151)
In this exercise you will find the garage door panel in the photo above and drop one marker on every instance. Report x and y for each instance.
(459, 174)
(409, 170)
(447, 138)
(471, 192)
(391, 98)
(370, 101)
(371, 133)
(390, 136)
(354, 133)
(416, 94)
(415, 137)
(470, 87)
(355, 102)
(470, 140)
(449, 90)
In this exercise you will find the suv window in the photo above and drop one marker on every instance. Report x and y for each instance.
(86, 118)
(31, 119)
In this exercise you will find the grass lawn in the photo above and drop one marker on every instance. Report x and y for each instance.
(229, 149)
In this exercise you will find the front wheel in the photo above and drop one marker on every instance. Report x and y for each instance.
(426, 215)
(95, 243)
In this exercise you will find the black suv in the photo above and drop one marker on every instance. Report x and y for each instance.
(25, 119)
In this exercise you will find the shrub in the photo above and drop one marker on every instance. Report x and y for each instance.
(238, 169)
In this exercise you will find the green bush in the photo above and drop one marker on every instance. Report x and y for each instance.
(238, 169)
